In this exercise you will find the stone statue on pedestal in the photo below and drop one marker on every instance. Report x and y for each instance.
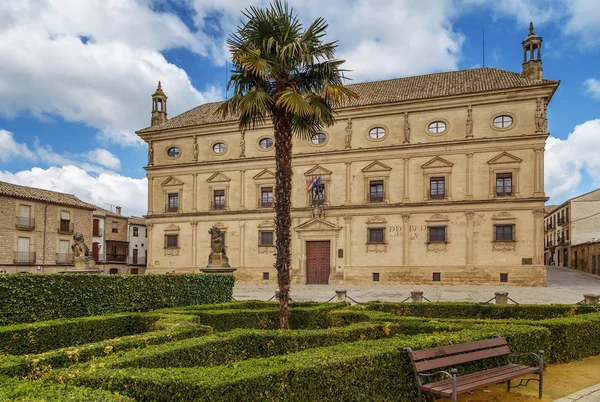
(217, 257)
(82, 256)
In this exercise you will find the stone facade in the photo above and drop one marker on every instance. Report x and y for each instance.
(410, 174)
(586, 257)
(36, 241)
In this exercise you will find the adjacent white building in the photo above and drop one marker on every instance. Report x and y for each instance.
(138, 240)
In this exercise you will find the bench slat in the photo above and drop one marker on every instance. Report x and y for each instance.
(459, 359)
(454, 349)
(478, 380)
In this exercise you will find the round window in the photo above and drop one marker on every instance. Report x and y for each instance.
(377, 133)
(266, 143)
(173, 152)
(318, 138)
(219, 148)
(503, 121)
(437, 127)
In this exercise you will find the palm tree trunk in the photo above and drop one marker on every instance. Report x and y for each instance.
(283, 216)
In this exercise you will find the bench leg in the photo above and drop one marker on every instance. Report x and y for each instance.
(541, 373)
(508, 385)
(419, 394)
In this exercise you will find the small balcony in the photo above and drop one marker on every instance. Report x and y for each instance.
(98, 232)
(171, 208)
(437, 196)
(265, 204)
(25, 223)
(317, 200)
(376, 197)
(503, 191)
(136, 261)
(562, 241)
(116, 257)
(64, 259)
(66, 227)
(24, 258)
(217, 205)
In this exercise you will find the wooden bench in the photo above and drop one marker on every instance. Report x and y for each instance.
(426, 360)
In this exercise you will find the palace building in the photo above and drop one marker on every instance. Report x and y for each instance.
(427, 179)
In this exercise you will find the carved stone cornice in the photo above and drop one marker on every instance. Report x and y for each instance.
(377, 248)
(436, 247)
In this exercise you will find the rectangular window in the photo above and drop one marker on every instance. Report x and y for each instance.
(115, 227)
(437, 277)
(504, 232)
(135, 232)
(376, 191)
(437, 234)
(63, 256)
(317, 195)
(266, 238)
(219, 199)
(504, 184)
(375, 276)
(171, 241)
(65, 222)
(173, 202)
(265, 276)
(24, 220)
(266, 197)
(376, 235)
(23, 255)
(503, 277)
(437, 187)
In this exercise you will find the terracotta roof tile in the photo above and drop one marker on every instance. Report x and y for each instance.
(105, 212)
(37, 194)
(136, 220)
(420, 87)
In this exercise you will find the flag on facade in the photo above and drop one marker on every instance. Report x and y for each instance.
(313, 182)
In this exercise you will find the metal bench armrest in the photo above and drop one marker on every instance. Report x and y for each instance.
(539, 357)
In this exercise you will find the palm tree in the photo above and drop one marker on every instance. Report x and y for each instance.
(285, 74)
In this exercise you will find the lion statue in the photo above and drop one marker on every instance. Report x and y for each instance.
(81, 252)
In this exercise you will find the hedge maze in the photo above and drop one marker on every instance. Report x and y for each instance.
(234, 351)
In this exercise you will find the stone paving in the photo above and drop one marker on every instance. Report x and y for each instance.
(591, 394)
(564, 286)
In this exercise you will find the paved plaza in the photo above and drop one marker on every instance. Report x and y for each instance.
(591, 394)
(564, 286)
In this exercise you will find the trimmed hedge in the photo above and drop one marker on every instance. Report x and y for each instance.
(357, 371)
(166, 329)
(28, 298)
(482, 310)
(36, 391)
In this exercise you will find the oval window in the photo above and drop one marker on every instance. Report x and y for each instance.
(503, 121)
(219, 148)
(377, 133)
(437, 127)
(266, 143)
(173, 152)
(318, 138)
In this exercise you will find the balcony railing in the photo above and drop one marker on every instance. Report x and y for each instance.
(217, 205)
(64, 259)
(319, 200)
(562, 240)
(98, 232)
(24, 258)
(116, 257)
(503, 191)
(66, 228)
(136, 261)
(376, 197)
(265, 204)
(171, 208)
(438, 196)
(25, 223)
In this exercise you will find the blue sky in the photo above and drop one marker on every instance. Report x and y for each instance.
(76, 77)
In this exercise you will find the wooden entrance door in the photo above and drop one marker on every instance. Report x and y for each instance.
(135, 256)
(317, 262)
(95, 251)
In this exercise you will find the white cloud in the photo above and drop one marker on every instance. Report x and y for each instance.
(104, 158)
(110, 188)
(584, 21)
(9, 148)
(95, 62)
(522, 11)
(592, 87)
(566, 160)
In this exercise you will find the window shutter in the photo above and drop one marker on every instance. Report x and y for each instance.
(65, 215)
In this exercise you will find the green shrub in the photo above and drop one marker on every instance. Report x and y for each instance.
(36, 391)
(482, 310)
(357, 371)
(46, 297)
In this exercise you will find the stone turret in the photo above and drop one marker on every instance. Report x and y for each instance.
(159, 107)
(532, 60)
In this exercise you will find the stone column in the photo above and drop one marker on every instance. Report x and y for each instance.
(470, 215)
(150, 194)
(406, 239)
(406, 197)
(348, 199)
(149, 243)
(469, 176)
(538, 236)
(538, 169)
(194, 243)
(542, 190)
(242, 244)
(243, 189)
(195, 190)
(347, 241)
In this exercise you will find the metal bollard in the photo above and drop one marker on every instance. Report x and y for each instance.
(341, 295)
(416, 296)
(501, 297)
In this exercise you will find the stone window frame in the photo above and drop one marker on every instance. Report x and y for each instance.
(168, 147)
(438, 220)
(513, 232)
(327, 138)
(262, 137)
(504, 113)
(439, 119)
(31, 213)
(166, 238)
(437, 171)
(371, 127)
(382, 174)
(172, 186)
(437, 226)
(261, 182)
(325, 180)
(376, 222)
(383, 240)
(260, 196)
(217, 153)
(265, 230)
(218, 181)
(496, 168)
(502, 219)
(136, 232)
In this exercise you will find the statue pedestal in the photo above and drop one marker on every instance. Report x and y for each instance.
(84, 263)
(217, 270)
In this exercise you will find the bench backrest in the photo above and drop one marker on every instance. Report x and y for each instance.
(445, 356)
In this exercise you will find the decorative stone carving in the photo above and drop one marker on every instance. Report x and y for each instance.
(538, 213)
(470, 215)
(196, 151)
(504, 246)
(243, 144)
(376, 248)
(545, 117)
(317, 211)
(502, 215)
(150, 154)
(438, 217)
(172, 228)
(171, 252)
(82, 256)
(217, 257)
(406, 129)
(349, 134)
(436, 247)
(376, 219)
(406, 217)
(540, 116)
(469, 122)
